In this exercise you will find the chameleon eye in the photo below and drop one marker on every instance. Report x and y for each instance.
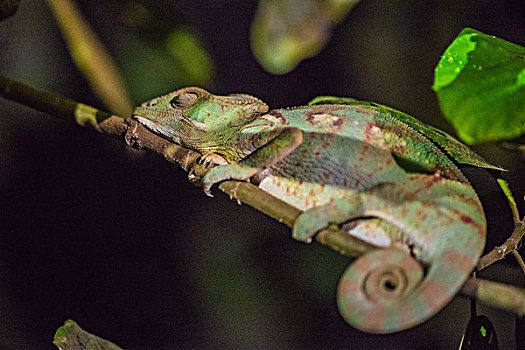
(184, 100)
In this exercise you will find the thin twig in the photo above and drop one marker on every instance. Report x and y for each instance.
(520, 260)
(500, 252)
(134, 134)
(512, 202)
(511, 244)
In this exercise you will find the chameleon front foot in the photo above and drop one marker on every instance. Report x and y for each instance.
(203, 165)
(226, 172)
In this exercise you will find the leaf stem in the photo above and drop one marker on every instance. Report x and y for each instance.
(520, 260)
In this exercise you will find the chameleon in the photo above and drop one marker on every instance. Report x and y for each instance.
(356, 165)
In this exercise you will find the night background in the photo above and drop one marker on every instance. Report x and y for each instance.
(118, 240)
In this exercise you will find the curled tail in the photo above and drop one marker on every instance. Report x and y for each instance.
(386, 290)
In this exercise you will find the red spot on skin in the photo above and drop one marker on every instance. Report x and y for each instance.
(298, 164)
(368, 131)
(317, 153)
(380, 168)
(345, 182)
(279, 115)
(326, 175)
(432, 180)
(252, 126)
(467, 220)
(312, 135)
(311, 193)
(422, 215)
(310, 118)
(338, 123)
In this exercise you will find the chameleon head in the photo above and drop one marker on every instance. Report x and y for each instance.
(184, 114)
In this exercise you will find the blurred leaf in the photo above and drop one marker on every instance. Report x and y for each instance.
(480, 84)
(457, 150)
(136, 15)
(285, 32)
(157, 55)
(71, 337)
(193, 60)
(91, 57)
(147, 80)
(8, 8)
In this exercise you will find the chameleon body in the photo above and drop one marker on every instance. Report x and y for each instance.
(351, 165)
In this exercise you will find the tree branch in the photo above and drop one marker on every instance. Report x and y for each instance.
(511, 244)
(129, 130)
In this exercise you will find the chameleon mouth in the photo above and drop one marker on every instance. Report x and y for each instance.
(156, 128)
(144, 121)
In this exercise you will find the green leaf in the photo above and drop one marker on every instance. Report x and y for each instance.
(71, 337)
(285, 32)
(457, 150)
(480, 84)
(186, 49)
(157, 54)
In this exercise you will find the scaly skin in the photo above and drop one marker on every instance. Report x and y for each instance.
(354, 166)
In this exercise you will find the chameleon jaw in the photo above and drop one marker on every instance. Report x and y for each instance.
(157, 128)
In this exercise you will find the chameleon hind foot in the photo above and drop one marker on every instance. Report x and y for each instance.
(337, 212)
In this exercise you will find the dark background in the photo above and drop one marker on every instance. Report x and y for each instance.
(118, 240)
